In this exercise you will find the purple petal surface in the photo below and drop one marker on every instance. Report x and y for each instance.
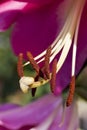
(71, 120)
(31, 114)
(8, 106)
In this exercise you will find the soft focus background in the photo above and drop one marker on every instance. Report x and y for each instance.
(9, 86)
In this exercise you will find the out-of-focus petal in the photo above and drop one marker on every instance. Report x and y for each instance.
(8, 106)
(71, 121)
(36, 30)
(9, 12)
(29, 115)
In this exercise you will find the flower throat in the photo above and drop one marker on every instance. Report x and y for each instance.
(67, 37)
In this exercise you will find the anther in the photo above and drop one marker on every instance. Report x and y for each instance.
(20, 65)
(33, 62)
(42, 73)
(71, 92)
(53, 76)
(46, 64)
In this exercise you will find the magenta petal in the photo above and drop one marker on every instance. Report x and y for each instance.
(36, 30)
(9, 12)
(31, 114)
(40, 2)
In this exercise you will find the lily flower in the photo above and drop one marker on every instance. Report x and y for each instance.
(47, 116)
(40, 24)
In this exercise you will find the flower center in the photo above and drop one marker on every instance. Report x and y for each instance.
(63, 42)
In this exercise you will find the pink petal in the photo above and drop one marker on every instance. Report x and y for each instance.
(31, 114)
(9, 12)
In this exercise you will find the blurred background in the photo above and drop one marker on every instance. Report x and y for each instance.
(9, 81)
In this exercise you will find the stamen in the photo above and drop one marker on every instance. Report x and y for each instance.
(69, 27)
(71, 92)
(33, 62)
(62, 43)
(20, 65)
(72, 84)
(53, 76)
(47, 60)
(42, 74)
(57, 40)
(68, 42)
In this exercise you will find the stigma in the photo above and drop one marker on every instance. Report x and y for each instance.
(62, 44)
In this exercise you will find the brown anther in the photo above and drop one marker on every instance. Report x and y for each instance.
(20, 65)
(71, 92)
(53, 76)
(33, 62)
(46, 64)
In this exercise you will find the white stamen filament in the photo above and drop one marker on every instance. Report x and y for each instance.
(74, 25)
(65, 51)
(75, 44)
(56, 42)
(64, 39)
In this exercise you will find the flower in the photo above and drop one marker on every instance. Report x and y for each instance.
(38, 24)
(47, 116)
